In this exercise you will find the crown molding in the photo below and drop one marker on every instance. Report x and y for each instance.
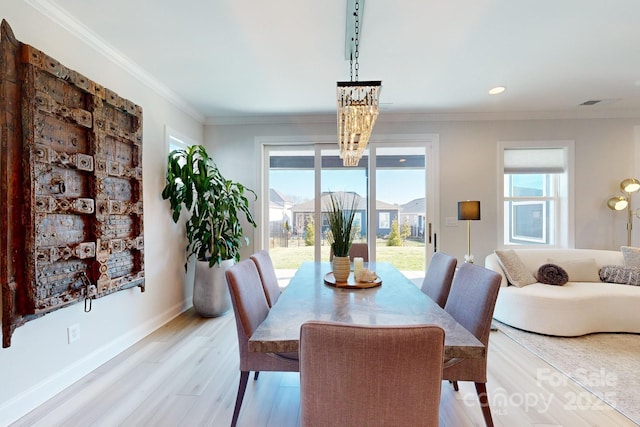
(428, 117)
(82, 32)
(510, 115)
(275, 119)
(75, 27)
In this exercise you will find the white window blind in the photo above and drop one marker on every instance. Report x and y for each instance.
(534, 160)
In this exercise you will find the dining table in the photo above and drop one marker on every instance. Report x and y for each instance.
(396, 301)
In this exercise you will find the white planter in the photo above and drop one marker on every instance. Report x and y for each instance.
(341, 268)
(210, 291)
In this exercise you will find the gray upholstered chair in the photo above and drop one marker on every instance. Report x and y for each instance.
(267, 276)
(250, 308)
(357, 250)
(354, 375)
(471, 302)
(437, 281)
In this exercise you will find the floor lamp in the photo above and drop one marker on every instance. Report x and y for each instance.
(469, 210)
(619, 203)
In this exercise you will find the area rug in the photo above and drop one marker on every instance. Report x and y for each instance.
(607, 365)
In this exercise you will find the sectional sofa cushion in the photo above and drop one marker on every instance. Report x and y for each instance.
(580, 269)
(631, 256)
(517, 273)
(620, 274)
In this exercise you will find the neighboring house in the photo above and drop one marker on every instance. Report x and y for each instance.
(279, 207)
(384, 215)
(279, 217)
(415, 214)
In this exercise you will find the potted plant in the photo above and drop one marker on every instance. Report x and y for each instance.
(340, 215)
(213, 229)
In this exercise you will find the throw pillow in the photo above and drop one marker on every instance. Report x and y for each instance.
(620, 274)
(631, 256)
(552, 274)
(517, 273)
(579, 270)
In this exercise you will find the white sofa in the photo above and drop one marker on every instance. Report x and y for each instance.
(576, 308)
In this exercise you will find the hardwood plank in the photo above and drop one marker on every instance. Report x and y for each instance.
(186, 374)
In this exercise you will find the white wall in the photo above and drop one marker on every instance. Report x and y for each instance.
(604, 150)
(39, 362)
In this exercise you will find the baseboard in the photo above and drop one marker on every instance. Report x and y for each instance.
(23, 403)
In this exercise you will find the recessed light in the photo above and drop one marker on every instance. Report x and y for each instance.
(496, 90)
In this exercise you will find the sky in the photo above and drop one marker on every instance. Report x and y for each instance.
(393, 186)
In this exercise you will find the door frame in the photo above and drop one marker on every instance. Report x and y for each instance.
(430, 141)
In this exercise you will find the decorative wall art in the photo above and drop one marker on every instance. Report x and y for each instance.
(71, 223)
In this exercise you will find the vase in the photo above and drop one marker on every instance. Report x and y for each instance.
(341, 268)
(210, 291)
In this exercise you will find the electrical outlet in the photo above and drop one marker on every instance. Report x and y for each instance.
(73, 333)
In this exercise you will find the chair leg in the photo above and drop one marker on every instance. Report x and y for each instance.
(481, 389)
(255, 375)
(244, 378)
(454, 384)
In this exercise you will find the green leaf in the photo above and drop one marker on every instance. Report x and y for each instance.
(215, 205)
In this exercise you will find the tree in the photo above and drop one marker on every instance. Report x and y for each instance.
(309, 228)
(286, 229)
(357, 232)
(405, 230)
(394, 235)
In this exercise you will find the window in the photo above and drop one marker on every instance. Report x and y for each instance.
(535, 193)
(389, 184)
(529, 198)
(383, 218)
(175, 140)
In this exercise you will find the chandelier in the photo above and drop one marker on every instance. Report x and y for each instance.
(358, 104)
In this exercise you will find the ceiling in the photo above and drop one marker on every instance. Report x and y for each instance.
(246, 59)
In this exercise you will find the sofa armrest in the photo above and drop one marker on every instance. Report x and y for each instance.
(491, 262)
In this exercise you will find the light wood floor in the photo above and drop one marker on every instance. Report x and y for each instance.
(186, 373)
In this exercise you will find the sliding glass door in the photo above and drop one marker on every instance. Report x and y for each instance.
(349, 184)
(289, 219)
(390, 188)
(400, 219)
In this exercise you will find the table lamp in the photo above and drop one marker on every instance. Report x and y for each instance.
(469, 210)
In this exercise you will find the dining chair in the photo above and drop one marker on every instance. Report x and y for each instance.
(356, 375)
(250, 308)
(357, 250)
(267, 276)
(471, 302)
(437, 282)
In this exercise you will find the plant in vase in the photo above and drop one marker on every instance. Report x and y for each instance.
(213, 228)
(340, 215)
